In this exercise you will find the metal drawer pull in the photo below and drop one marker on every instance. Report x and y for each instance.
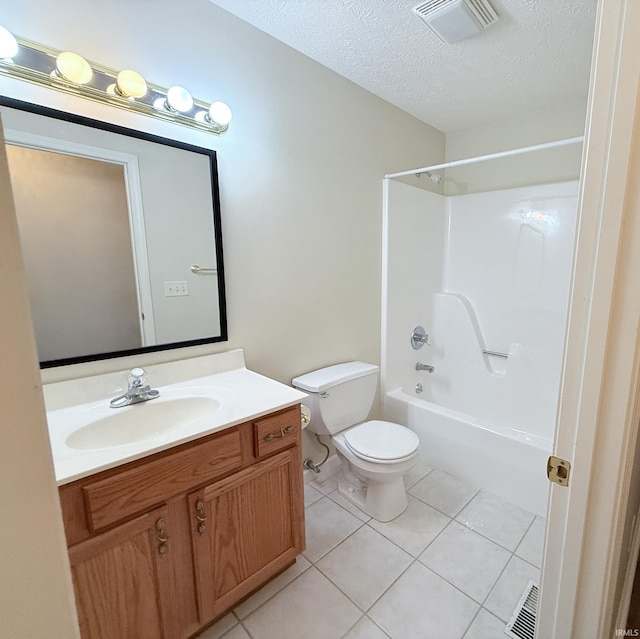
(162, 537)
(201, 518)
(282, 433)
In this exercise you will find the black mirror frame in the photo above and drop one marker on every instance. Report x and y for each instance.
(217, 223)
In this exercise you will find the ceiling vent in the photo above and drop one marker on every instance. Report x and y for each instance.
(454, 20)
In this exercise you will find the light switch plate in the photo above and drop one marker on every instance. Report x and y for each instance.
(175, 289)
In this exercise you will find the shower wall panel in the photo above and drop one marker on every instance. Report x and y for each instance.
(414, 251)
(486, 271)
(509, 254)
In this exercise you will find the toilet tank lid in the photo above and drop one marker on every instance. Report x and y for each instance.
(321, 380)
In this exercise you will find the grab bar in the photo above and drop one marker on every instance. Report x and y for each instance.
(199, 270)
(496, 353)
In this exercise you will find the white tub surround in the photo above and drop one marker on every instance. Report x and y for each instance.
(487, 275)
(229, 392)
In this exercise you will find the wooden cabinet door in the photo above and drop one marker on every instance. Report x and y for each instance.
(117, 579)
(245, 529)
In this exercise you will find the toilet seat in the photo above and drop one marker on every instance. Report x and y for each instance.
(381, 441)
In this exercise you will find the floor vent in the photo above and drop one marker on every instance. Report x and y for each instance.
(522, 624)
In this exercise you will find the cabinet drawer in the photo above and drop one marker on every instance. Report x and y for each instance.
(115, 498)
(277, 432)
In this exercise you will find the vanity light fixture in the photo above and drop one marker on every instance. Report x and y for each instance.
(219, 112)
(73, 68)
(69, 72)
(8, 44)
(130, 84)
(179, 99)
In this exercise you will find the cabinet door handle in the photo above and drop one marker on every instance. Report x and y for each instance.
(201, 518)
(162, 537)
(282, 433)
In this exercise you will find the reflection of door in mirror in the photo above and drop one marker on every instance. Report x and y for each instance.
(61, 200)
(162, 215)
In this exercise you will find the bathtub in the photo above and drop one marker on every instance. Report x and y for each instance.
(507, 462)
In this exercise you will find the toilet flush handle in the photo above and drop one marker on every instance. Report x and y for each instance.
(323, 395)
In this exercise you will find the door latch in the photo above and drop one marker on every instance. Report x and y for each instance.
(558, 470)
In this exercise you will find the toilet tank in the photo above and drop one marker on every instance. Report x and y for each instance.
(340, 396)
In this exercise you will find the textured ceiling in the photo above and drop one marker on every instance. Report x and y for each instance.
(537, 54)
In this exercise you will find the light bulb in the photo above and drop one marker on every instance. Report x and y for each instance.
(8, 44)
(179, 99)
(219, 113)
(73, 67)
(130, 84)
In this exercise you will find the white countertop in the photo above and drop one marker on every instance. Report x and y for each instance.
(242, 395)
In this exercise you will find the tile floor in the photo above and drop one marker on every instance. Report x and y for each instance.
(452, 566)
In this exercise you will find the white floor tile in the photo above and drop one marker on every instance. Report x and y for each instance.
(496, 519)
(486, 626)
(347, 505)
(530, 547)
(366, 629)
(327, 524)
(237, 633)
(310, 607)
(415, 529)
(444, 492)
(219, 628)
(420, 470)
(467, 560)
(364, 566)
(420, 604)
(270, 589)
(311, 495)
(507, 592)
(325, 483)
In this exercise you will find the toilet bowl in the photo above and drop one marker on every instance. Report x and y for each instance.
(374, 455)
(373, 477)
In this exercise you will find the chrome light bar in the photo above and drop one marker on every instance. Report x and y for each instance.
(68, 72)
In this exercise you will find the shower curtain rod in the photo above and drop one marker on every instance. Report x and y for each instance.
(491, 156)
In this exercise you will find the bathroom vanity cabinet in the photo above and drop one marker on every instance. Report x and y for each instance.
(162, 546)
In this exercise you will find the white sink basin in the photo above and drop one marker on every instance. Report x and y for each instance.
(198, 397)
(142, 421)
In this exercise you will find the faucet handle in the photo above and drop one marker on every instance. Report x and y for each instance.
(419, 338)
(137, 376)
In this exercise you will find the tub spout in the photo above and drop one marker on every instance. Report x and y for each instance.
(424, 367)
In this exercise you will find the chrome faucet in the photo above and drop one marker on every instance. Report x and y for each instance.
(419, 338)
(137, 391)
(424, 367)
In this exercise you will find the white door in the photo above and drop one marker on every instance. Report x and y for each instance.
(598, 413)
(136, 227)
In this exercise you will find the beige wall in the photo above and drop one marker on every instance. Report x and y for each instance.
(35, 589)
(565, 120)
(300, 170)
(300, 177)
(301, 181)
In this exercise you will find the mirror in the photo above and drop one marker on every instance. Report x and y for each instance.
(121, 236)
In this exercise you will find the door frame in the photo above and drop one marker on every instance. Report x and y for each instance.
(133, 190)
(598, 416)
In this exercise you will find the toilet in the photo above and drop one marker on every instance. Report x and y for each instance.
(375, 455)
